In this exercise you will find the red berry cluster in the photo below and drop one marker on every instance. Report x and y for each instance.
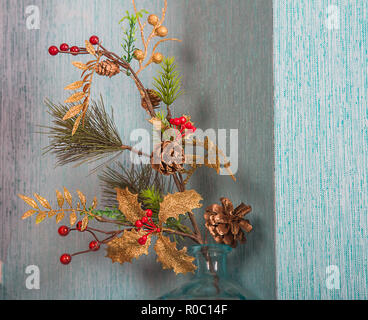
(182, 124)
(63, 231)
(148, 225)
(64, 47)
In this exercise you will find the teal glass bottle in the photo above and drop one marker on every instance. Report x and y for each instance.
(211, 280)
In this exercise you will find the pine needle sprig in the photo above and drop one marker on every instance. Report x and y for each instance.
(136, 179)
(97, 139)
(168, 82)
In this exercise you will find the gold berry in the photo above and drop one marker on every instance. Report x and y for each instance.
(138, 54)
(162, 31)
(157, 58)
(152, 19)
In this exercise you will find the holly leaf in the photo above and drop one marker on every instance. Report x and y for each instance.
(129, 205)
(179, 203)
(126, 248)
(172, 258)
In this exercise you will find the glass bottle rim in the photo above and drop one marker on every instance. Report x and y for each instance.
(213, 247)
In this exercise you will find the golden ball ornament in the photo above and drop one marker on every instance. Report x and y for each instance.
(153, 19)
(162, 31)
(157, 58)
(138, 54)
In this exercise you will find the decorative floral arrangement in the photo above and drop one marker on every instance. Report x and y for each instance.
(140, 201)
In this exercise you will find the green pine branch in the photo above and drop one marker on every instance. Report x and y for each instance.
(168, 82)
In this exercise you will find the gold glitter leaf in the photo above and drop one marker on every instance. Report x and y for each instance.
(179, 203)
(73, 111)
(29, 201)
(74, 86)
(73, 218)
(68, 197)
(94, 203)
(85, 221)
(76, 124)
(129, 205)
(172, 258)
(40, 217)
(75, 97)
(82, 198)
(89, 48)
(60, 198)
(43, 201)
(60, 216)
(28, 214)
(126, 248)
(79, 65)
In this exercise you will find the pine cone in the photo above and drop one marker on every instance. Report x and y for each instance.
(155, 99)
(225, 223)
(107, 68)
(168, 158)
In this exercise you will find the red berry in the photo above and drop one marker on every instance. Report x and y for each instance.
(94, 40)
(53, 50)
(74, 50)
(64, 47)
(142, 241)
(194, 129)
(139, 224)
(63, 231)
(65, 258)
(144, 220)
(172, 121)
(149, 213)
(79, 226)
(183, 120)
(158, 230)
(94, 245)
(177, 121)
(189, 125)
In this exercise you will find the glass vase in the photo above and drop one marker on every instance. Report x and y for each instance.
(211, 280)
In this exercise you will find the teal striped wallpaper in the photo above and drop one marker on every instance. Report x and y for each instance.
(320, 67)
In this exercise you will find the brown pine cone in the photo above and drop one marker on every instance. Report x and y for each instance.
(155, 99)
(226, 224)
(168, 158)
(107, 68)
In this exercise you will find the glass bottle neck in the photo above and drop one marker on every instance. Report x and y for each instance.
(211, 260)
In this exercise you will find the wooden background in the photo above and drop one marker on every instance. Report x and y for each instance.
(226, 59)
(321, 147)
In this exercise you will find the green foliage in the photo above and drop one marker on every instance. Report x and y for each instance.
(151, 199)
(129, 32)
(162, 115)
(111, 213)
(168, 82)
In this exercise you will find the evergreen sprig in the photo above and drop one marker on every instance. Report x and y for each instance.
(129, 37)
(136, 179)
(96, 139)
(168, 81)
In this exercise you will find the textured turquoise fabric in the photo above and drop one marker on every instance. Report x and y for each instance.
(320, 66)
